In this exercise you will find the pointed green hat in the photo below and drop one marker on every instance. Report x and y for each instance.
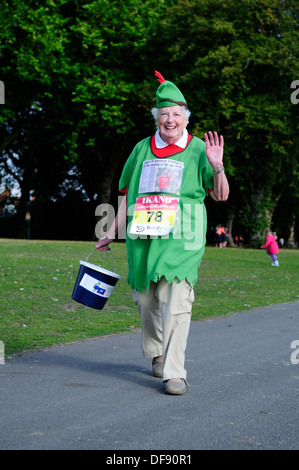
(168, 94)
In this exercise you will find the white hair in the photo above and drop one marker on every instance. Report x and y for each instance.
(187, 113)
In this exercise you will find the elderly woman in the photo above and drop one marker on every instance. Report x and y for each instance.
(166, 232)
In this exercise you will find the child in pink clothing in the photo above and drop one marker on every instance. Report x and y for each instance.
(272, 247)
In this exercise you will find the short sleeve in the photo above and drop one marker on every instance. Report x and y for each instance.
(126, 174)
(128, 169)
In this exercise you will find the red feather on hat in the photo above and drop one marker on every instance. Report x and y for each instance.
(159, 77)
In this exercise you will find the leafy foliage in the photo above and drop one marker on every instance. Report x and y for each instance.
(237, 61)
(80, 83)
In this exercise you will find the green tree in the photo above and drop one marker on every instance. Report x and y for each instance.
(74, 87)
(236, 60)
(79, 86)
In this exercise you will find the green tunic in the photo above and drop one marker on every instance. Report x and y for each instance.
(177, 254)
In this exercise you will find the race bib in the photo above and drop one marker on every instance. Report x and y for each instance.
(154, 214)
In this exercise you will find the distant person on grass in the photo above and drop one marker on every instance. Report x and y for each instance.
(271, 246)
(166, 232)
(221, 236)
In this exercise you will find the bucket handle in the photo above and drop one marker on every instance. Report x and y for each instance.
(110, 254)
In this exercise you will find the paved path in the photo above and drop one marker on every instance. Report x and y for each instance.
(100, 394)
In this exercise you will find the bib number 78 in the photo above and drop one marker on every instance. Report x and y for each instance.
(157, 216)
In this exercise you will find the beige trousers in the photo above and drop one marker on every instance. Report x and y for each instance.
(165, 313)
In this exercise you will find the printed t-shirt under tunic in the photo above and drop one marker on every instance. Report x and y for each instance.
(178, 254)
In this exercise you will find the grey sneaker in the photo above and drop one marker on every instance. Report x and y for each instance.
(175, 388)
(157, 369)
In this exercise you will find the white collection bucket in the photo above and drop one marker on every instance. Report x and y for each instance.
(94, 285)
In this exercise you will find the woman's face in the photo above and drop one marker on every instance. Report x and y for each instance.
(171, 123)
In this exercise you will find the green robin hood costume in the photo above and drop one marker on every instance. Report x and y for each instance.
(176, 249)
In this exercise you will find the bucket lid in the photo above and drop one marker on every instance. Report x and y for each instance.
(100, 269)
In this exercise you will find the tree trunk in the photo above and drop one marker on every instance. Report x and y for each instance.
(229, 225)
(24, 210)
(291, 242)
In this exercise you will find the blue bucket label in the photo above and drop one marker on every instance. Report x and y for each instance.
(95, 286)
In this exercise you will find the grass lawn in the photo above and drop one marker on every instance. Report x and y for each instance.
(38, 277)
